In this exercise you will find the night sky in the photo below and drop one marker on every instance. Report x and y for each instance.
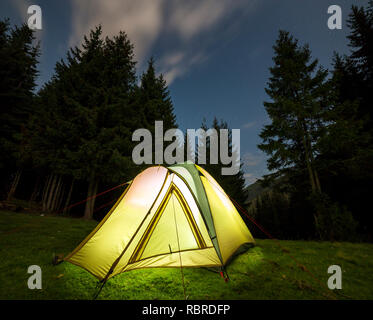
(214, 54)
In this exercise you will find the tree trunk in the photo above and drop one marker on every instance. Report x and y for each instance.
(46, 192)
(309, 167)
(61, 196)
(315, 184)
(46, 185)
(314, 179)
(312, 159)
(69, 197)
(55, 197)
(34, 194)
(51, 192)
(315, 175)
(91, 195)
(317, 181)
(14, 184)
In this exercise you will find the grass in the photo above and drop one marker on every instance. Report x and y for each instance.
(264, 272)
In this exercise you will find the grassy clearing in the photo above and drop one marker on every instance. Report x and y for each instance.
(264, 272)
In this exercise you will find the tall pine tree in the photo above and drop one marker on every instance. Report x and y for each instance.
(18, 71)
(155, 100)
(300, 100)
(93, 114)
(155, 104)
(348, 147)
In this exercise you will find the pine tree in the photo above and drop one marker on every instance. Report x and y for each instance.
(355, 72)
(300, 101)
(155, 99)
(353, 87)
(90, 102)
(155, 104)
(347, 149)
(108, 73)
(361, 40)
(18, 72)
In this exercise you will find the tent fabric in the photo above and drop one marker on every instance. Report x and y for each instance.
(167, 217)
(189, 171)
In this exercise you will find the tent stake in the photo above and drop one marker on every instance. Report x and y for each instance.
(99, 290)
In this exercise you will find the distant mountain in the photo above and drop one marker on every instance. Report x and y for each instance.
(254, 190)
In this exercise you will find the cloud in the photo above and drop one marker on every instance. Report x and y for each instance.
(21, 7)
(184, 24)
(249, 178)
(193, 17)
(192, 21)
(249, 125)
(140, 19)
(173, 58)
(252, 159)
(178, 63)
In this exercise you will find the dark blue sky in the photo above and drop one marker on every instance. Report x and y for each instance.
(215, 54)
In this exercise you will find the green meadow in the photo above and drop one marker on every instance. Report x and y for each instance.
(267, 271)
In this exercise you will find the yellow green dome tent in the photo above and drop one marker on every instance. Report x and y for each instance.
(167, 217)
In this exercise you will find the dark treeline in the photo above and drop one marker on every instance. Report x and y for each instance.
(320, 140)
(72, 139)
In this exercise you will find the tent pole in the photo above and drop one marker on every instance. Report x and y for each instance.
(182, 277)
(178, 243)
(226, 274)
(99, 290)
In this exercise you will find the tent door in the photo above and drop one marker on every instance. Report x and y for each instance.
(159, 236)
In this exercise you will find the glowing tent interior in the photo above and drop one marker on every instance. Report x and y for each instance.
(167, 217)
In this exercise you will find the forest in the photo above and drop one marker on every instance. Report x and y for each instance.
(319, 142)
(71, 139)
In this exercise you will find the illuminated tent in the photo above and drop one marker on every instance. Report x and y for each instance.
(167, 217)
